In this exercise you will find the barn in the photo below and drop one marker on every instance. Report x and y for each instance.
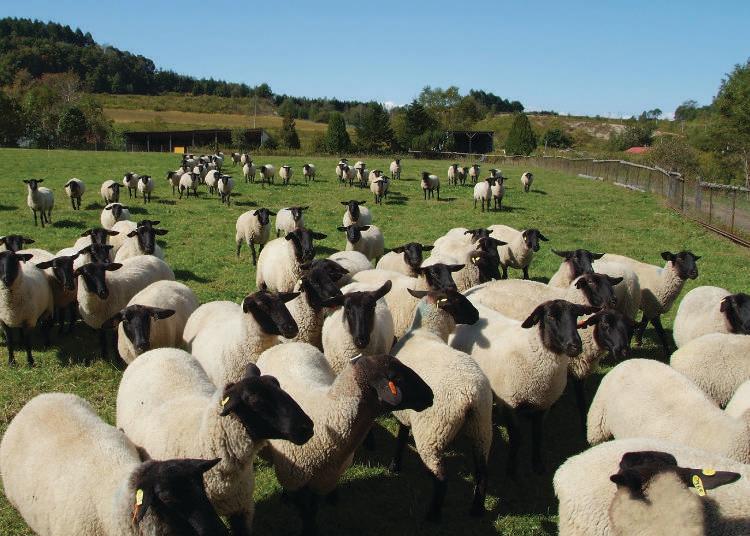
(185, 140)
(469, 141)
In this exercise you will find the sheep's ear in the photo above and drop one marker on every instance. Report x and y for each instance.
(723, 307)
(112, 266)
(542, 237)
(382, 291)
(707, 478)
(85, 251)
(155, 222)
(614, 280)
(336, 301)
(341, 228)
(160, 314)
(113, 320)
(108, 207)
(696, 257)
(361, 202)
(534, 317)
(581, 282)
(597, 256)
(87, 232)
(28, 241)
(364, 228)
(290, 236)
(426, 247)
(319, 236)
(304, 208)
(160, 232)
(419, 294)
(667, 256)
(563, 254)
(345, 203)
(581, 310)
(399, 249)
(25, 257)
(131, 234)
(495, 242)
(44, 265)
(272, 213)
(113, 233)
(455, 267)
(25, 181)
(252, 370)
(39, 180)
(287, 296)
(387, 390)
(305, 266)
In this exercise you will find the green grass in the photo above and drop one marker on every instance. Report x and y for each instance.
(572, 212)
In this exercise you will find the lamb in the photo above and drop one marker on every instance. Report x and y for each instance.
(395, 169)
(211, 179)
(68, 472)
(279, 263)
(289, 219)
(248, 171)
(430, 184)
(379, 189)
(40, 199)
(225, 337)
(367, 239)
(659, 286)
(706, 310)
(232, 422)
(353, 262)
(244, 158)
(285, 174)
(187, 182)
(267, 173)
(483, 192)
(308, 171)
(526, 179)
(343, 408)
(110, 192)
(25, 299)
(645, 398)
(498, 191)
(141, 241)
(153, 318)
(224, 185)
(474, 173)
(462, 396)
(575, 263)
(14, 242)
(348, 174)
(145, 187)
(526, 365)
(628, 292)
(406, 259)
(253, 227)
(112, 213)
(586, 490)
(59, 272)
(453, 174)
(356, 214)
(235, 158)
(74, 189)
(374, 175)
(520, 248)
(174, 178)
(130, 181)
(340, 170)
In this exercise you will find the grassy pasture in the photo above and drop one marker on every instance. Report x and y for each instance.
(571, 211)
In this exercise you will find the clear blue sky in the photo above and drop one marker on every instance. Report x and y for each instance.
(605, 57)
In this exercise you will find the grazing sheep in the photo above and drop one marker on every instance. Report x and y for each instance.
(575, 263)
(253, 227)
(645, 398)
(224, 185)
(289, 219)
(14, 242)
(395, 169)
(462, 396)
(367, 239)
(430, 184)
(74, 189)
(526, 179)
(520, 248)
(498, 191)
(406, 259)
(25, 299)
(188, 181)
(706, 310)
(353, 262)
(130, 181)
(112, 213)
(141, 241)
(483, 192)
(474, 173)
(308, 171)
(40, 199)
(453, 175)
(225, 337)
(248, 171)
(356, 214)
(285, 174)
(280, 261)
(343, 408)
(110, 192)
(267, 174)
(379, 189)
(68, 472)
(145, 187)
(231, 422)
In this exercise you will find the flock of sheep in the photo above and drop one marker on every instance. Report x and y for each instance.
(298, 371)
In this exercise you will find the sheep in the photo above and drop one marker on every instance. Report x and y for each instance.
(474, 173)
(395, 169)
(459, 236)
(340, 170)
(289, 219)
(248, 171)
(25, 299)
(526, 179)
(232, 422)
(112, 213)
(211, 178)
(130, 181)
(110, 192)
(253, 227)
(483, 192)
(225, 337)
(176, 177)
(462, 396)
(453, 175)
(575, 263)
(100, 235)
(645, 398)
(121, 229)
(406, 259)
(378, 189)
(74, 189)
(153, 318)
(267, 174)
(224, 185)
(367, 239)
(343, 408)
(100, 297)
(430, 184)
(659, 287)
(356, 214)
(353, 262)
(141, 241)
(40, 199)
(628, 292)
(279, 263)
(14, 242)
(525, 364)
(285, 174)
(308, 171)
(498, 191)
(187, 182)
(68, 472)
(480, 261)
(348, 174)
(374, 175)
(58, 270)
(706, 310)
(146, 186)
(520, 248)
(585, 488)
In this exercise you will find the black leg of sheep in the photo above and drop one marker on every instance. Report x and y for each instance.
(306, 502)
(656, 322)
(9, 342)
(439, 487)
(511, 423)
(238, 526)
(401, 441)
(579, 389)
(480, 484)
(26, 339)
(537, 433)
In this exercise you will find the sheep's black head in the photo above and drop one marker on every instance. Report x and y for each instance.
(612, 331)
(136, 323)
(302, 239)
(395, 385)
(98, 253)
(398, 161)
(115, 187)
(557, 321)
(146, 232)
(93, 277)
(319, 286)
(145, 179)
(438, 276)
(15, 242)
(736, 309)
(265, 409)
(334, 270)
(117, 210)
(683, 262)
(425, 177)
(75, 187)
(359, 312)
(353, 208)
(413, 255)
(33, 184)
(476, 234)
(10, 266)
(598, 289)
(99, 235)
(458, 306)
(532, 237)
(455, 167)
(297, 212)
(270, 313)
(487, 259)
(353, 232)
(263, 215)
(579, 261)
(62, 268)
(306, 167)
(174, 492)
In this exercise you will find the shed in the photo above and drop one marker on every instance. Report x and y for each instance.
(167, 140)
(468, 141)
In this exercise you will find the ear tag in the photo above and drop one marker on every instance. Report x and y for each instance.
(709, 472)
(138, 497)
(393, 388)
(698, 485)
(581, 324)
(224, 402)
(355, 358)
(442, 300)
(473, 260)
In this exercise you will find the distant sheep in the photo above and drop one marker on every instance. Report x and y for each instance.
(430, 185)
(289, 219)
(356, 214)
(308, 171)
(142, 241)
(253, 227)
(280, 262)
(130, 181)
(112, 213)
(188, 181)
(74, 189)
(110, 192)
(526, 179)
(379, 189)
(267, 173)
(474, 173)
(285, 174)
(367, 239)
(520, 248)
(575, 263)
(483, 192)
(395, 169)
(248, 171)
(40, 199)
(224, 185)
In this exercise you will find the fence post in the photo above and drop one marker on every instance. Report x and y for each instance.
(710, 204)
(734, 205)
(682, 201)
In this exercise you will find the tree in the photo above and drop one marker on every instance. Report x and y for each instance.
(374, 133)
(288, 108)
(337, 138)
(72, 127)
(521, 139)
(11, 121)
(733, 106)
(556, 138)
(413, 121)
(467, 112)
(637, 134)
(288, 135)
(674, 154)
(687, 111)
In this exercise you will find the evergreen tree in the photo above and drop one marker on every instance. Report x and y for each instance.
(72, 127)
(288, 136)
(374, 132)
(337, 138)
(521, 139)
(11, 122)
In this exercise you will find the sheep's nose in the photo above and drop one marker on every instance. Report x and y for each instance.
(360, 342)
(573, 348)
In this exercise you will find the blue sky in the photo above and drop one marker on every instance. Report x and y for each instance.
(608, 57)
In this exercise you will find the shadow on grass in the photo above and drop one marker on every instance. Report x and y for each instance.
(93, 206)
(68, 224)
(189, 275)
(447, 199)
(142, 210)
(5, 208)
(165, 202)
(540, 192)
(246, 204)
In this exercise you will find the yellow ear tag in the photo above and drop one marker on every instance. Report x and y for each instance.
(138, 497)
(442, 300)
(698, 485)
(709, 472)
(474, 260)
(224, 402)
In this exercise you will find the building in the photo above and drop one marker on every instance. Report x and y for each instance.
(468, 141)
(185, 140)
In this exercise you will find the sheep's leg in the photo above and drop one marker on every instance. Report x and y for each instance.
(525, 272)
(26, 339)
(640, 328)
(656, 322)
(252, 250)
(579, 389)
(480, 484)
(537, 429)
(511, 423)
(73, 203)
(72, 314)
(239, 246)
(438, 194)
(401, 440)
(103, 343)
(46, 326)
(439, 487)
(505, 272)
(306, 502)
(239, 525)
(475, 203)
(369, 441)
(9, 343)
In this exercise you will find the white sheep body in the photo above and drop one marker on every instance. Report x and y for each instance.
(29, 297)
(395, 169)
(268, 172)
(79, 193)
(211, 179)
(145, 187)
(108, 220)
(483, 194)
(394, 262)
(526, 180)
(248, 171)
(285, 221)
(515, 254)
(108, 194)
(308, 171)
(371, 244)
(122, 227)
(278, 269)
(627, 291)
(285, 174)
(186, 183)
(131, 248)
(699, 314)
(351, 261)
(365, 217)
(250, 230)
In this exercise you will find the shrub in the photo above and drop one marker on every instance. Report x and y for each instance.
(288, 136)
(557, 138)
(337, 138)
(521, 139)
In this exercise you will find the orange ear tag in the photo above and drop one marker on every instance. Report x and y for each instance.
(393, 388)
(581, 324)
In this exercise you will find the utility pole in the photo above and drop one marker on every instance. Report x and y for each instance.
(255, 114)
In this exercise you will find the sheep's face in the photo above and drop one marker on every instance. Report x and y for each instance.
(93, 277)
(531, 238)
(74, 187)
(99, 235)
(115, 187)
(10, 266)
(173, 492)
(136, 323)
(557, 321)
(395, 385)
(146, 233)
(302, 240)
(612, 330)
(683, 263)
(359, 312)
(476, 234)
(458, 306)
(116, 209)
(62, 269)
(265, 410)
(438, 276)
(145, 179)
(270, 313)
(487, 258)
(334, 270)
(99, 253)
(297, 212)
(736, 308)
(412, 255)
(353, 232)
(319, 287)
(353, 208)
(579, 261)
(33, 184)
(264, 216)
(14, 242)
(598, 289)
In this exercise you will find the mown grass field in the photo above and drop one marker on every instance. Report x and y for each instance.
(572, 212)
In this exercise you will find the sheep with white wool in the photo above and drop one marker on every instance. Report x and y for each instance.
(141, 241)
(498, 191)
(14, 242)
(367, 239)
(285, 174)
(280, 261)
(395, 169)
(253, 227)
(211, 180)
(706, 310)
(267, 174)
(483, 193)
(59, 272)
(174, 177)
(526, 179)
(122, 228)
(480, 261)
(112, 213)
(188, 181)
(130, 181)
(628, 291)
(519, 249)
(110, 192)
(453, 174)
(406, 259)
(248, 171)
(40, 199)
(68, 472)
(308, 171)
(430, 184)
(225, 185)
(459, 236)
(289, 219)
(356, 213)
(645, 398)
(379, 189)
(74, 189)
(348, 174)
(167, 404)
(353, 262)
(145, 187)
(575, 263)
(474, 173)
